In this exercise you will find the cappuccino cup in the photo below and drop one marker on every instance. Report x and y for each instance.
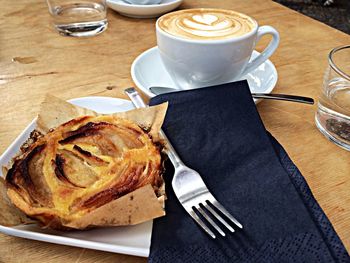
(203, 47)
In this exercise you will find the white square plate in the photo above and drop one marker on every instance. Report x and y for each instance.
(131, 240)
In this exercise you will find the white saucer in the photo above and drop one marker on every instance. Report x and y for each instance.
(147, 70)
(143, 11)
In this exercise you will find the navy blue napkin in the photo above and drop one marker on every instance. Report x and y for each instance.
(218, 132)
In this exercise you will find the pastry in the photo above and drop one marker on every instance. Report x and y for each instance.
(81, 166)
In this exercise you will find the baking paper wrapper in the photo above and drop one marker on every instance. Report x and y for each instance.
(135, 207)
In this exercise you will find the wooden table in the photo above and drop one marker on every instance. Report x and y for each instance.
(35, 60)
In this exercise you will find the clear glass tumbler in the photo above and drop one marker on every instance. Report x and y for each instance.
(333, 112)
(79, 18)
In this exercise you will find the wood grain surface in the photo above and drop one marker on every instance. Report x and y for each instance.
(35, 60)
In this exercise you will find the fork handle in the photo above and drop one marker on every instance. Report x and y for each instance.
(138, 102)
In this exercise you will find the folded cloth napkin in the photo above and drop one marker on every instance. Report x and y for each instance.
(218, 132)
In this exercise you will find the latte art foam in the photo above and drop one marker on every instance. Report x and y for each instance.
(206, 24)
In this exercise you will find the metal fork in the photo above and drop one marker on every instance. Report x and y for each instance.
(189, 187)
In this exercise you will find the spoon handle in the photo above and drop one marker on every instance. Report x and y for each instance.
(286, 97)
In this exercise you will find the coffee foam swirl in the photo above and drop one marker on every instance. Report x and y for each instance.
(206, 24)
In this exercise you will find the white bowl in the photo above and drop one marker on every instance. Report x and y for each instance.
(143, 11)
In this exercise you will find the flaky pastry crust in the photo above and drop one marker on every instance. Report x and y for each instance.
(82, 165)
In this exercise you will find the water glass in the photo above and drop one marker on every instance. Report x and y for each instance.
(78, 18)
(333, 111)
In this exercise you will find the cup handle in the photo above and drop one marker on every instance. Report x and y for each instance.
(268, 51)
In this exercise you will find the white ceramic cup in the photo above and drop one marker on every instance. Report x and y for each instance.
(199, 63)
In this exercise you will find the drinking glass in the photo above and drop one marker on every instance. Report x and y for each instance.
(78, 18)
(333, 111)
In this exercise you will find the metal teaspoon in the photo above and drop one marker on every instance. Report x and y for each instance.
(286, 97)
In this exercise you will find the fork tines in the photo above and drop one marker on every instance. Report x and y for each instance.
(209, 213)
